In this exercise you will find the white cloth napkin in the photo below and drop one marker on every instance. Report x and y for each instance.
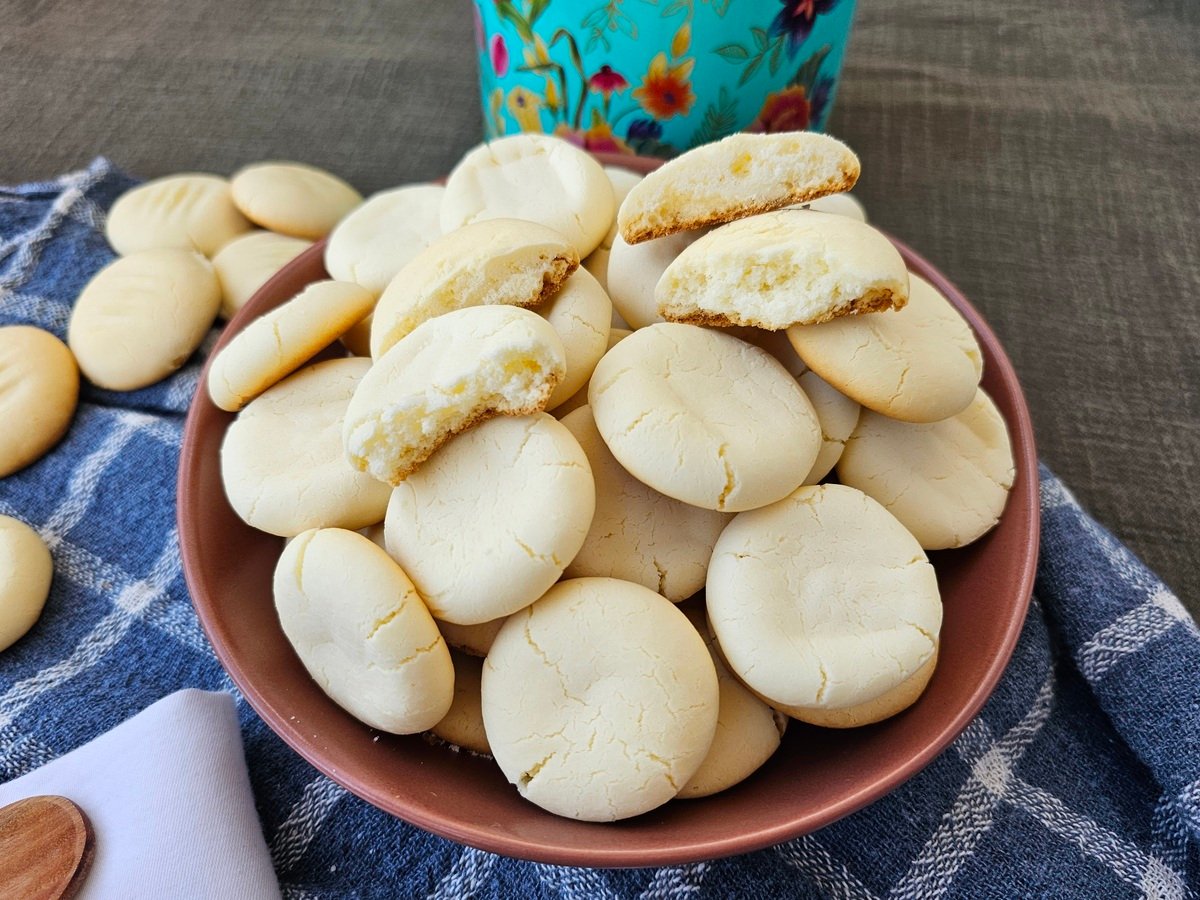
(169, 799)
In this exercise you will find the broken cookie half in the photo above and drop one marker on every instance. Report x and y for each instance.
(742, 175)
(791, 267)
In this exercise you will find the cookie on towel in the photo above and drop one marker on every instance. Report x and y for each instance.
(638, 534)
(742, 175)
(823, 600)
(919, 364)
(534, 177)
(378, 239)
(362, 632)
(479, 554)
(448, 374)
(704, 417)
(498, 261)
(292, 198)
(275, 345)
(783, 268)
(26, 570)
(39, 390)
(946, 481)
(184, 212)
(282, 460)
(247, 263)
(142, 316)
(600, 700)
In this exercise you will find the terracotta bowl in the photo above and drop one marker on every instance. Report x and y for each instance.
(815, 778)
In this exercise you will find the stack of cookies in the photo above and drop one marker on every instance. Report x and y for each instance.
(571, 499)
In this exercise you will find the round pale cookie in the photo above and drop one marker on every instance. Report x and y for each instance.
(362, 632)
(600, 700)
(841, 205)
(376, 240)
(282, 461)
(622, 181)
(703, 417)
(534, 177)
(293, 198)
(634, 270)
(247, 263)
(462, 725)
(581, 313)
(474, 640)
(638, 534)
(579, 398)
(918, 364)
(500, 261)
(822, 600)
(276, 344)
(142, 316)
(447, 375)
(838, 415)
(739, 176)
(748, 730)
(39, 389)
(185, 212)
(25, 574)
(492, 519)
(946, 481)
(783, 268)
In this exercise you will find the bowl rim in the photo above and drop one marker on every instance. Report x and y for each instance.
(1025, 459)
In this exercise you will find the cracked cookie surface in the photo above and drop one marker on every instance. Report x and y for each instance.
(918, 364)
(488, 524)
(703, 417)
(947, 481)
(600, 700)
(362, 632)
(638, 534)
(822, 600)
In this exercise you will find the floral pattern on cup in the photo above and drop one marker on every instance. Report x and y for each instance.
(656, 77)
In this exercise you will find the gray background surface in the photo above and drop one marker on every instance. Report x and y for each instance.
(1042, 154)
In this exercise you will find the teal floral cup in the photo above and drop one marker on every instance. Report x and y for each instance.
(656, 77)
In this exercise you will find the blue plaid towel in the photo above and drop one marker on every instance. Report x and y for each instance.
(1080, 778)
